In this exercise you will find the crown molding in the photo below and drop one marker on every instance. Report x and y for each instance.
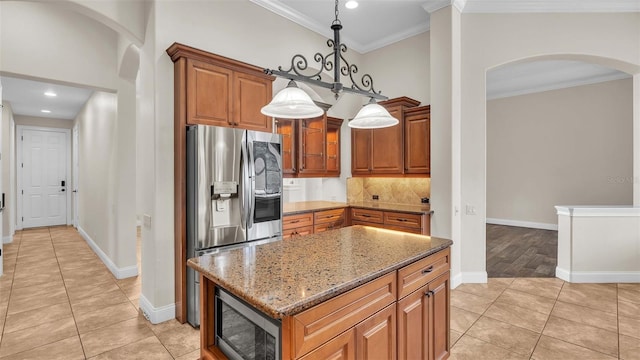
(277, 8)
(380, 43)
(558, 85)
(550, 6)
(435, 5)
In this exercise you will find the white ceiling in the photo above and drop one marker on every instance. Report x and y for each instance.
(378, 23)
(27, 98)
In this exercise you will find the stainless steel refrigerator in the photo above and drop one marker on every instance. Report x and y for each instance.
(234, 194)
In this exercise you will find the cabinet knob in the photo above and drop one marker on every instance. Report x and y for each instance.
(293, 169)
(428, 293)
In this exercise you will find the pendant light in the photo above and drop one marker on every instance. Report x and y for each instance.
(294, 103)
(373, 116)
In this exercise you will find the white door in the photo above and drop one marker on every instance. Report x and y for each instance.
(44, 177)
(76, 179)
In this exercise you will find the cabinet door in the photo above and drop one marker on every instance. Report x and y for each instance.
(342, 347)
(287, 128)
(413, 325)
(417, 144)
(376, 336)
(360, 152)
(387, 151)
(312, 145)
(439, 314)
(209, 94)
(251, 93)
(333, 146)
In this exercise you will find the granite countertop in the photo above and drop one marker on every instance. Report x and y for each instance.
(284, 278)
(307, 206)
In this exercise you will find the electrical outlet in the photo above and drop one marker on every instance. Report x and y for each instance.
(146, 220)
(375, 197)
(470, 209)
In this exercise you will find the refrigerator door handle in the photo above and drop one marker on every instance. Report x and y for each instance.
(247, 180)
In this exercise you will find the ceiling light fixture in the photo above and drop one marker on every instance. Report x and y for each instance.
(45, 111)
(351, 4)
(299, 106)
(50, 94)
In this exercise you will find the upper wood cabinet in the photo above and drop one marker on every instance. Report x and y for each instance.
(417, 140)
(214, 90)
(310, 147)
(381, 151)
(333, 146)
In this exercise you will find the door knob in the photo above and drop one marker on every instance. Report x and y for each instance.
(63, 190)
(75, 191)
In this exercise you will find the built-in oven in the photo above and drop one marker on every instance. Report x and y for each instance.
(243, 333)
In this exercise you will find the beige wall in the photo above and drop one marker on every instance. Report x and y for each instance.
(569, 146)
(490, 40)
(402, 68)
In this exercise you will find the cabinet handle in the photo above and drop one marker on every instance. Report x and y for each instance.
(365, 215)
(428, 293)
(293, 169)
(402, 220)
(294, 221)
(427, 270)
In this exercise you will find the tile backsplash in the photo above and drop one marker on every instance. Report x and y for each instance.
(389, 190)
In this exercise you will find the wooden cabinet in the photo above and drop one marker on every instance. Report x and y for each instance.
(381, 151)
(310, 147)
(296, 225)
(342, 347)
(423, 318)
(376, 336)
(209, 89)
(333, 146)
(313, 222)
(328, 220)
(217, 95)
(417, 140)
(392, 220)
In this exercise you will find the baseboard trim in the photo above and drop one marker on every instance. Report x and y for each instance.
(7, 239)
(526, 224)
(156, 315)
(475, 277)
(119, 273)
(456, 281)
(598, 276)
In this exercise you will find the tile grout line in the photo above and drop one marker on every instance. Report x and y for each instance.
(6, 314)
(73, 316)
(555, 302)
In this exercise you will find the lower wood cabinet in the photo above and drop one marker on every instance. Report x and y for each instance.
(313, 222)
(407, 222)
(402, 315)
(376, 336)
(423, 318)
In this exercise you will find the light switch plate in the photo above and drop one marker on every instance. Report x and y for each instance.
(146, 220)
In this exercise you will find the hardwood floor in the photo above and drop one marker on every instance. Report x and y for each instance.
(521, 252)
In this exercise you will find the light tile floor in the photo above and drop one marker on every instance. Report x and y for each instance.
(58, 301)
(545, 318)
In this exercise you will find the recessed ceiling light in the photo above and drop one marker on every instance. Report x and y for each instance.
(50, 94)
(351, 4)
(45, 111)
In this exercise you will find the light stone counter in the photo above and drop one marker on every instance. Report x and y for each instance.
(283, 278)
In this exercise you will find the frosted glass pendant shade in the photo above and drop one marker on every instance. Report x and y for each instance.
(292, 103)
(373, 116)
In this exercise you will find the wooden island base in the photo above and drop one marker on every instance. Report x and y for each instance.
(403, 314)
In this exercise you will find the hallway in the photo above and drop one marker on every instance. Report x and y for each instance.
(58, 301)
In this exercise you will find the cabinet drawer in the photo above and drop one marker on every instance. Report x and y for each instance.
(290, 233)
(412, 277)
(315, 326)
(403, 219)
(373, 216)
(405, 229)
(298, 220)
(328, 216)
(328, 226)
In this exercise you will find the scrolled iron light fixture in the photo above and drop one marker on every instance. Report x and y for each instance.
(293, 103)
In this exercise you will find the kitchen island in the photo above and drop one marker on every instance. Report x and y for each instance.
(358, 292)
